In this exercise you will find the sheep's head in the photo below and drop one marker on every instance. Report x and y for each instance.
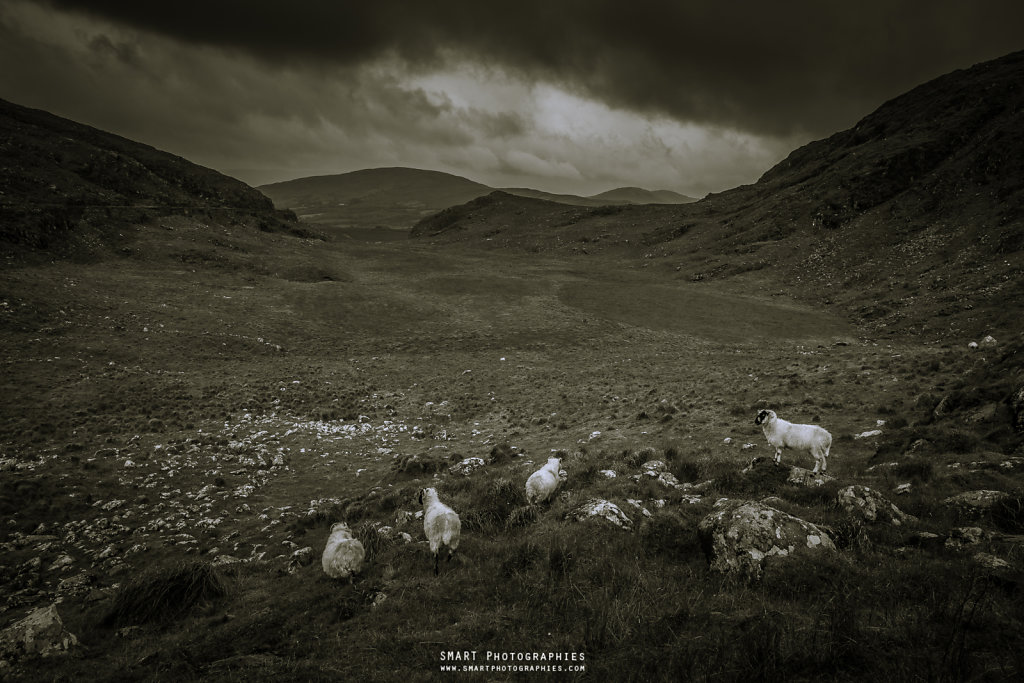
(427, 495)
(340, 526)
(555, 463)
(764, 416)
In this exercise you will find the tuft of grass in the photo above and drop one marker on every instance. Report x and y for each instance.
(164, 594)
(1008, 514)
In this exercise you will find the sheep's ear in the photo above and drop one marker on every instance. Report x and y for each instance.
(421, 496)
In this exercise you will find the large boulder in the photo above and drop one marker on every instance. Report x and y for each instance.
(739, 535)
(871, 506)
(40, 633)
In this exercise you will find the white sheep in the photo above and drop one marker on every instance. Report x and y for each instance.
(543, 483)
(782, 434)
(343, 555)
(440, 523)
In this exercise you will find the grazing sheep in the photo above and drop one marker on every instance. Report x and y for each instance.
(343, 556)
(543, 483)
(782, 434)
(440, 523)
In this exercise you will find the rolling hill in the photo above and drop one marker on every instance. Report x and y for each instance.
(387, 197)
(71, 189)
(913, 219)
(398, 197)
(638, 195)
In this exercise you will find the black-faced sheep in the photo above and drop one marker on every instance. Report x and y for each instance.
(799, 437)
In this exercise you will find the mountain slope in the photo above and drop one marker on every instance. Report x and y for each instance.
(912, 219)
(65, 185)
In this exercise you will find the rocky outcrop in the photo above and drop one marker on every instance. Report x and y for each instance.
(871, 506)
(740, 535)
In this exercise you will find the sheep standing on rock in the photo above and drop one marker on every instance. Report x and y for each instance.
(343, 556)
(543, 483)
(782, 434)
(440, 523)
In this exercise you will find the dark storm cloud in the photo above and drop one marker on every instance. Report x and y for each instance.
(774, 68)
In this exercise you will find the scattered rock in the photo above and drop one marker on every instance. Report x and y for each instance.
(903, 489)
(609, 474)
(597, 507)
(741, 534)
(652, 468)
(991, 562)
(975, 502)
(668, 479)
(869, 505)
(303, 557)
(964, 536)
(868, 434)
(41, 633)
(988, 341)
(804, 477)
(925, 539)
(467, 466)
(224, 560)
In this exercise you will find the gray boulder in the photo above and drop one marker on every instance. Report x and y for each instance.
(871, 506)
(602, 509)
(40, 633)
(740, 535)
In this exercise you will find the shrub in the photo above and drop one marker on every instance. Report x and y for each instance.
(163, 594)
(1008, 514)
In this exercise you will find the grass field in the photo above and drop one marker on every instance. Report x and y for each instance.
(215, 392)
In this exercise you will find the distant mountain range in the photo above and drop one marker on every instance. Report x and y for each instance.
(913, 218)
(399, 197)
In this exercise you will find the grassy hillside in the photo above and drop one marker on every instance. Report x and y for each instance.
(73, 190)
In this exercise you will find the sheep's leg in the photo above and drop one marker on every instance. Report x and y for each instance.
(435, 563)
(819, 461)
(778, 456)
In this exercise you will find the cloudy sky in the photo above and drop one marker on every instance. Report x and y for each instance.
(572, 96)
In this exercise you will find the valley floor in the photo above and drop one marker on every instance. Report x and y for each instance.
(218, 398)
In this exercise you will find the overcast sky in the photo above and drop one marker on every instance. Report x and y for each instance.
(575, 96)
